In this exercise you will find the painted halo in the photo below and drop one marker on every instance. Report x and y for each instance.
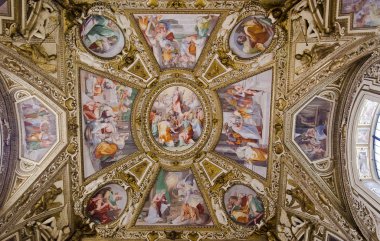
(101, 36)
(251, 36)
(243, 205)
(176, 118)
(106, 204)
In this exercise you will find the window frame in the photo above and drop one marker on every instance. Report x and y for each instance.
(364, 186)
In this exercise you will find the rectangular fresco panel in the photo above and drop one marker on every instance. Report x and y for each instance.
(311, 129)
(175, 199)
(177, 40)
(366, 12)
(38, 129)
(246, 122)
(106, 115)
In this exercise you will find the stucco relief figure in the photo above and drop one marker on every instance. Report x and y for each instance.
(228, 24)
(220, 214)
(312, 56)
(38, 54)
(243, 205)
(175, 200)
(291, 226)
(251, 36)
(306, 20)
(125, 25)
(255, 184)
(106, 110)
(126, 217)
(176, 118)
(58, 229)
(38, 29)
(46, 202)
(296, 198)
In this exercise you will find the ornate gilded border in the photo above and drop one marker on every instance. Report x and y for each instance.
(142, 112)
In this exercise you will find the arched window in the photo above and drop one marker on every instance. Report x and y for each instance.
(376, 145)
(359, 143)
(366, 139)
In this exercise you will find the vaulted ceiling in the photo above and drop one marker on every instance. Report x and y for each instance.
(189, 120)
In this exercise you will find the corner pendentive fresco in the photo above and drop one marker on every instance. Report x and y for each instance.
(251, 36)
(366, 12)
(246, 120)
(243, 205)
(102, 36)
(312, 127)
(38, 126)
(176, 118)
(175, 199)
(177, 40)
(107, 204)
(106, 121)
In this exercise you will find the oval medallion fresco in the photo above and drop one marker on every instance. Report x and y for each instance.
(251, 36)
(106, 204)
(102, 36)
(176, 118)
(243, 205)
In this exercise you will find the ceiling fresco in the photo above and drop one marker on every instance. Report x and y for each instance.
(312, 128)
(188, 120)
(177, 40)
(246, 118)
(106, 117)
(38, 129)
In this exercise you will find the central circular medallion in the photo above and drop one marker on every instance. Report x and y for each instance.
(176, 118)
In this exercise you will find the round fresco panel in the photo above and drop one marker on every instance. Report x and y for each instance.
(251, 36)
(106, 204)
(243, 205)
(176, 118)
(102, 36)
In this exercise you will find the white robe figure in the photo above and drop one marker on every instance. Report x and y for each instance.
(197, 128)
